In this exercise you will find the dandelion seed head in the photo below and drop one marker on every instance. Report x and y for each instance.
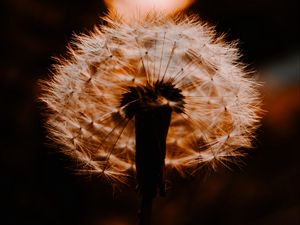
(123, 68)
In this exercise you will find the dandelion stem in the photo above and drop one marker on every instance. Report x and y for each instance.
(145, 210)
(151, 133)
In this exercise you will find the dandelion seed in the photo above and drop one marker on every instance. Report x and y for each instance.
(146, 96)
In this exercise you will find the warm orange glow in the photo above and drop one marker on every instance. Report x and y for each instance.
(133, 8)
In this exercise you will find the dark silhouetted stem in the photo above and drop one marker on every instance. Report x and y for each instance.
(145, 210)
(151, 132)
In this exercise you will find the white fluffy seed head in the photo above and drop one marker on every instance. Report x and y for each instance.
(221, 101)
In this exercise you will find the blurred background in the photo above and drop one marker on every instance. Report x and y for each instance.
(37, 185)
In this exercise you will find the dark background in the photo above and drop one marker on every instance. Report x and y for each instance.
(39, 188)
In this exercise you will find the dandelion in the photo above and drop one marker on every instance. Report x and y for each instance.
(141, 97)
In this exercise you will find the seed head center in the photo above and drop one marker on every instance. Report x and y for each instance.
(151, 96)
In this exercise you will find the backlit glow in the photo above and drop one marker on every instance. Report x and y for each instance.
(126, 8)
